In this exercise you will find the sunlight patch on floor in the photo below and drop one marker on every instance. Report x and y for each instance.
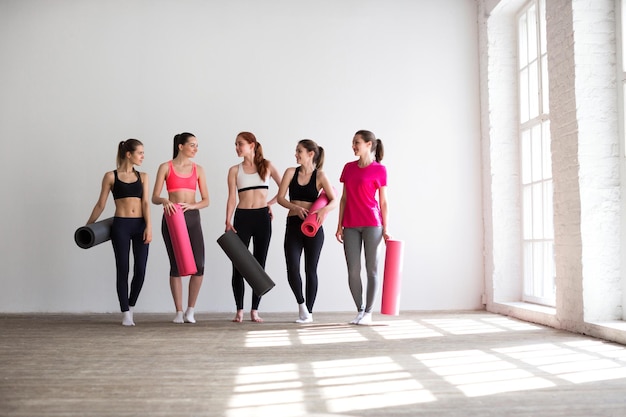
(267, 338)
(366, 383)
(477, 373)
(576, 363)
(329, 334)
(463, 326)
(405, 329)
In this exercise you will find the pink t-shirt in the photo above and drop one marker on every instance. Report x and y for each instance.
(360, 184)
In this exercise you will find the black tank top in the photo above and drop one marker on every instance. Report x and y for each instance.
(124, 189)
(306, 192)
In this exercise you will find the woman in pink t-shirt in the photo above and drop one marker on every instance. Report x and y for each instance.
(363, 218)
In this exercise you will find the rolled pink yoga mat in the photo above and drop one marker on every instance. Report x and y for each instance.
(180, 242)
(392, 277)
(309, 225)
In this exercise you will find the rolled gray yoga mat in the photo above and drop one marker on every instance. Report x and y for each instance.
(245, 263)
(93, 234)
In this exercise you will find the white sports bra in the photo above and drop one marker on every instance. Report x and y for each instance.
(247, 182)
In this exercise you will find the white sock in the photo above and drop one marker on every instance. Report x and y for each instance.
(358, 318)
(179, 317)
(303, 311)
(303, 314)
(308, 319)
(131, 310)
(127, 319)
(366, 319)
(189, 315)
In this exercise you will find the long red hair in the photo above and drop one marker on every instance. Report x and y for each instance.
(259, 160)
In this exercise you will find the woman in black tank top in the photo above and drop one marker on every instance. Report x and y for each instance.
(304, 183)
(131, 222)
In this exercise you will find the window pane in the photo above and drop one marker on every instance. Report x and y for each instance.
(528, 213)
(537, 210)
(533, 89)
(548, 212)
(532, 34)
(545, 93)
(523, 95)
(536, 149)
(546, 154)
(526, 158)
(538, 268)
(523, 42)
(542, 27)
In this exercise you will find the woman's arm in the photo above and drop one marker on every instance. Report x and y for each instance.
(158, 187)
(324, 184)
(281, 197)
(382, 199)
(232, 197)
(277, 179)
(204, 192)
(145, 208)
(107, 186)
(282, 192)
(342, 205)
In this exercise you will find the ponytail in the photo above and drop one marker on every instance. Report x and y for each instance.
(379, 152)
(181, 139)
(377, 144)
(259, 160)
(311, 146)
(318, 159)
(128, 145)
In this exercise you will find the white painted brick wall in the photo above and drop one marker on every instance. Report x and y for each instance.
(598, 155)
(586, 157)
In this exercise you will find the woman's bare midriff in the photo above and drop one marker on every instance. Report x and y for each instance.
(306, 204)
(181, 196)
(129, 207)
(252, 199)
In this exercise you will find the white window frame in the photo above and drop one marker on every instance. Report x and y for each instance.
(539, 275)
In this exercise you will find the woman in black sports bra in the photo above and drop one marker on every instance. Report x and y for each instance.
(304, 184)
(131, 222)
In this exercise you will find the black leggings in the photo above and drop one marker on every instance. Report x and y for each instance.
(295, 243)
(194, 228)
(254, 224)
(125, 231)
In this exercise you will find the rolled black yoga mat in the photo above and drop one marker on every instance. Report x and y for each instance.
(93, 234)
(245, 263)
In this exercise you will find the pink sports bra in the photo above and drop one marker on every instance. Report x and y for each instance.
(175, 182)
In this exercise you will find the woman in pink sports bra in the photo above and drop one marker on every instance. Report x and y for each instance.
(182, 177)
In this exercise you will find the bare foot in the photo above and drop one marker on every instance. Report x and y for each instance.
(254, 316)
(238, 317)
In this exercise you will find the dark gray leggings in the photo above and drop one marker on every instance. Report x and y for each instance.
(192, 218)
(353, 239)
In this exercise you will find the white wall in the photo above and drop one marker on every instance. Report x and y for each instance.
(79, 76)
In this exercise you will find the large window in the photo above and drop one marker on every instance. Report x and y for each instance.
(536, 166)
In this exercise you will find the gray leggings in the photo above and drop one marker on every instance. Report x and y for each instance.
(353, 239)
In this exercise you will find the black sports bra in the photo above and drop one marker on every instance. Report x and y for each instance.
(127, 189)
(306, 192)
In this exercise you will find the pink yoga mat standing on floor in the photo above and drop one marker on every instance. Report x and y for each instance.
(309, 225)
(392, 277)
(180, 242)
